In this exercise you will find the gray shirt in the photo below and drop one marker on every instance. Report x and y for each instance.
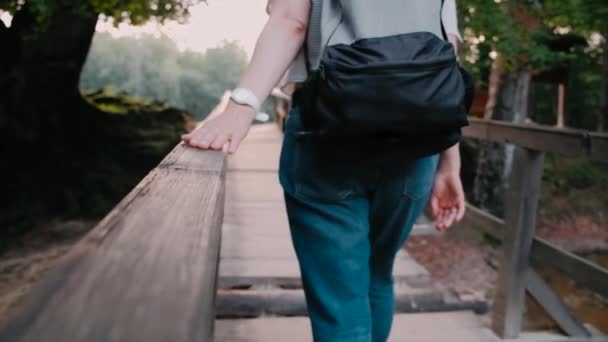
(367, 19)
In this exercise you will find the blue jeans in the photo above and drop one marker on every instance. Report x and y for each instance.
(348, 220)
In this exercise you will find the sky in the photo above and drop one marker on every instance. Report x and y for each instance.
(209, 25)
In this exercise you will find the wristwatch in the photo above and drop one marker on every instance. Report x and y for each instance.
(246, 97)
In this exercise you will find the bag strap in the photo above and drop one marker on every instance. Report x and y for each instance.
(306, 56)
(443, 31)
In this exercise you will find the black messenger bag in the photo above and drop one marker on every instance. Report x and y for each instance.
(406, 90)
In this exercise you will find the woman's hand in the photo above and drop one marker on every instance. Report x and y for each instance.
(447, 199)
(224, 131)
(276, 48)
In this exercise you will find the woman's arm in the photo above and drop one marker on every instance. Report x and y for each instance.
(449, 15)
(276, 48)
(448, 201)
(450, 158)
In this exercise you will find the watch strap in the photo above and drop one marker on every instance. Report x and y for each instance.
(245, 96)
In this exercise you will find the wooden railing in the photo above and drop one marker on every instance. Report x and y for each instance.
(517, 231)
(567, 142)
(147, 272)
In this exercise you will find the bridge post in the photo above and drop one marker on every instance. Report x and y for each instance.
(521, 204)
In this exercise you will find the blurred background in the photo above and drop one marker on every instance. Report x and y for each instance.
(93, 94)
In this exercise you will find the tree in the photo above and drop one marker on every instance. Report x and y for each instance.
(586, 17)
(516, 41)
(51, 138)
(154, 68)
(44, 51)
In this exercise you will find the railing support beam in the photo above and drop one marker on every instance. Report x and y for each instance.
(521, 204)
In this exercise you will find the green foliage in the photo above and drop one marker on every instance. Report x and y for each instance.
(564, 175)
(583, 96)
(551, 38)
(574, 187)
(584, 16)
(520, 31)
(154, 68)
(132, 11)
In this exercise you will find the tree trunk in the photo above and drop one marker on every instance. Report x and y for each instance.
(494, 162)
(602, 123)
(42, 102)
(63, 156)
(493, 86)
(561, 98)
(45, 123)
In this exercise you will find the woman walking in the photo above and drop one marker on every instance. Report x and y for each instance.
(348, 217)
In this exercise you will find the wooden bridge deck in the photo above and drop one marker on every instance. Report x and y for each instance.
(259, 273)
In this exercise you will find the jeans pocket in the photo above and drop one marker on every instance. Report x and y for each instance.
(419, 177)
(318, 177)
(306, 173)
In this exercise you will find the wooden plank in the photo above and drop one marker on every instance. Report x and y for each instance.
(553, 305)
(568, 142)
(285, 272)
(186, 158)
(272, 301)
(424, 327)
(550, 337)
(521, 204)
(154, 256)
(581, 270)
(261, 157)
(275, 301)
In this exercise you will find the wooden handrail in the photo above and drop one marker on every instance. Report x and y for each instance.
(146, 272)
(568, 142)
(584, 272)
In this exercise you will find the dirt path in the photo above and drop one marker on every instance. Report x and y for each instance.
(31, 256)
(465, 263)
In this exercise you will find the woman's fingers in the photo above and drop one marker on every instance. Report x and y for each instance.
(219, 141)
(435, 207)
(451, 218)
(204, 140)
(442, 218)
(448, 216)
(439, 217)
(212, 140)
(235, 142)
(187, 137)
